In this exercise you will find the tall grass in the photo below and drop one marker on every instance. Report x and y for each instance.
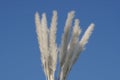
(71, 45)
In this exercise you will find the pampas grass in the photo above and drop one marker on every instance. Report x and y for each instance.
(71, 44)
(65, 38)
(47, 44)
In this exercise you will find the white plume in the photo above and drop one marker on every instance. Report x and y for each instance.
(73, 41)
(47, 43)
(53, 46)
(72, 45)
(86, 36)
(40, 39)
(65, 37)
(70, 48)
(80, 46)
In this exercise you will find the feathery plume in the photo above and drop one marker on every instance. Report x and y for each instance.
(40, 39)
(52, 40)
(80, 46)
(70, 49)
(72, 44)
(86, 36)
(52, 46)
(65, 37)
(45, 42)
(73, 41)
(42, 33)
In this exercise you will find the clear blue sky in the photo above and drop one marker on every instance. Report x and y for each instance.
(19, 52)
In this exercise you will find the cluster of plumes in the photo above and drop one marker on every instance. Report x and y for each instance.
(71, 45)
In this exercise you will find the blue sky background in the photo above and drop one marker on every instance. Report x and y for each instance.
(19, 52)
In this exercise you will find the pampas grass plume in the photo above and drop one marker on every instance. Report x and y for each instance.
(71, 44)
